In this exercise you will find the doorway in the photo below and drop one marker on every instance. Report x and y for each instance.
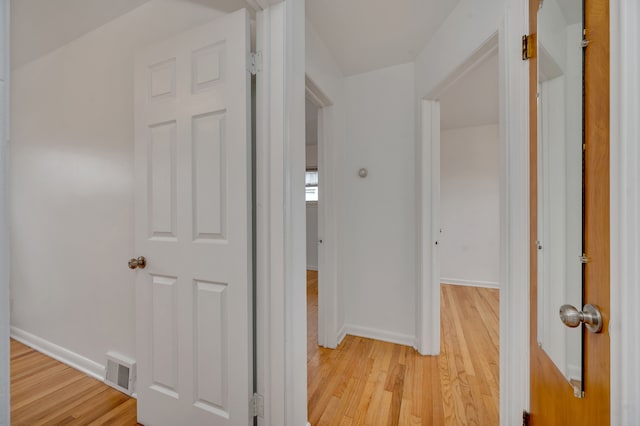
(312, 205)
(468, 234)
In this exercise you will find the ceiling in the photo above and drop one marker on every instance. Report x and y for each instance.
(42, 26)
(364, 35)
(473, 99)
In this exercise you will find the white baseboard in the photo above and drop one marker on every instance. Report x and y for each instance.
(341, 334)
(385, 336)
(72, 359)
(470, 283)
(312, 268)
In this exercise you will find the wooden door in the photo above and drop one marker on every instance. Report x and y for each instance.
(552, 399)
(192, 219)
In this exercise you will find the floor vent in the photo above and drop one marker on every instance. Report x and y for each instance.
(121, 372)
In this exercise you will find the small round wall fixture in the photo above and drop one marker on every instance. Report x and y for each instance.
(363, 172)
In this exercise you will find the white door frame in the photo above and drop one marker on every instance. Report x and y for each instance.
(428, 220)
(625, 211)
(4, 214)
(281, 214)
(428, 192)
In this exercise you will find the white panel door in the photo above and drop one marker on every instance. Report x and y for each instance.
(192, 219)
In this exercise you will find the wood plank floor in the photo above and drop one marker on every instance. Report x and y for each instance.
(368, 382)
(363, 382)
(47, 392)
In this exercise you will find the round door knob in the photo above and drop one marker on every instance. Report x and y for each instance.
(589, 316)
(140, 262)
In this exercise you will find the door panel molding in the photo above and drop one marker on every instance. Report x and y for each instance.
(193, 223)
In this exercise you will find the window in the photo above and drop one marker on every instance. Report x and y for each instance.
(311, 185)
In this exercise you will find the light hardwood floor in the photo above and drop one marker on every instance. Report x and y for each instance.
(362, 382)
(47, 392)
(368, 382)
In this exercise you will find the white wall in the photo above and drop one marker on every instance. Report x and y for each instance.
(71, 183)
(377, 212)
(469, 206)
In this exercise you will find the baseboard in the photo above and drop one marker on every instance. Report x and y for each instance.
(65, 356)
(341, 335)
(312, 268)
(385, 336)
(470, 283)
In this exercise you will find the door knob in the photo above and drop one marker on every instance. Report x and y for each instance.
(590, 317)
(140, 262)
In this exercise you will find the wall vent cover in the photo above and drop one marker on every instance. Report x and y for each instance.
(121, 372)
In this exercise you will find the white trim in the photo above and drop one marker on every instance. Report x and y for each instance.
(342, 333)
(5, 304)
(315, 94)
(377, 334)
(427, 214)
(292, 186)
(470, 283)
(65, 356)
(270, 301)
(625, 212)
(281, 254)
(514, 215)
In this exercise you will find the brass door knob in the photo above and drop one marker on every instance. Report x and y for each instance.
(140, 262)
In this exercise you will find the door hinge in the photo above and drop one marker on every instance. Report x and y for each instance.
(257, 405)
(584, 258)
(255, 62)
(528, 46)
(526, 417)
(585, 42)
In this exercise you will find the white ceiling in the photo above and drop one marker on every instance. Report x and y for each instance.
(364, 35)
(41, 26)
(473, 99)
